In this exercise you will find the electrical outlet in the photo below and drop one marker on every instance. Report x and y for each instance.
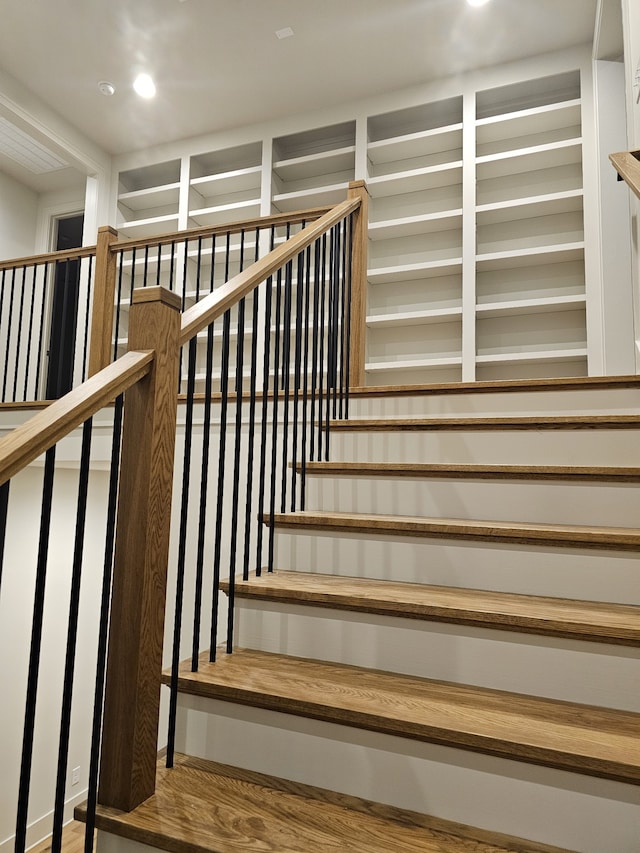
(75, 775)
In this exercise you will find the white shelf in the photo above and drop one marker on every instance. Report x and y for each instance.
(316, 197)
(547, 124)
(414, 363)
(534, 356)
(151, 197)
(414, 318)
(324, 162)
(531, 158)
(151, 226)
(221, 213)
(513, 307)
(559, 254)
(411, 145)
(410, 225)
(526, 208)
(237, 180)
(406, 272)
(413, 180)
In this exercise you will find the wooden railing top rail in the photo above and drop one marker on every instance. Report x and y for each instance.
(43, 430)
(224, 228)
(627, 165)
(204, 312)
(48, 257)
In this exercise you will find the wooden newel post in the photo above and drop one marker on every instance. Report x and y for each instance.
(129, 743)
(358, 189)
(104, 293)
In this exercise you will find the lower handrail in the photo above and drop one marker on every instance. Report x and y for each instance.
(46, 428)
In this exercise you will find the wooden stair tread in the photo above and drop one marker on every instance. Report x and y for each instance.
(511, 422)
(565, 735)
(563, 535)
(204, 806)
(584, 620)
(571, 473)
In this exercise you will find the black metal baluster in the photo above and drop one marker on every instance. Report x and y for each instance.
(119, 298)
(305, 390)
(19, 339)
(297, 362)
(159, 262)
(286, 377)
(321, 365)
(29, 334)
(182, 551)
(348, 318)
(72, 636)
(7, 349)
(224, 388)
(85, 349)
(315, 344)
(45, 271)
(252, 420)
(34, 654)
(146, 265)
(236, 472)
(274, 424)
(172, 262)
(4, 506)
(103, 628)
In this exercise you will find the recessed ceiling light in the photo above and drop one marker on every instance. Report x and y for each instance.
(477, 2)
(144, 86)
(284, 33)
(106, 88)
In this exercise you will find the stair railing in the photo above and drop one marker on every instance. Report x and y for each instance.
(41, 298)
(286, 362)
(310, 343)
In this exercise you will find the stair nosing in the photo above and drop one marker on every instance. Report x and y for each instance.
(561, 535)
(440, 611)
(569, 473)
(559, 734)
(502, 423)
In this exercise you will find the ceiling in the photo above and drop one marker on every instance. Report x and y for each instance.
(218, 63)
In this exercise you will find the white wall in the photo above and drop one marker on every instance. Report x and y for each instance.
(18, 215)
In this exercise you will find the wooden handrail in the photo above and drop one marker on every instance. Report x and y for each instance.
(48, 257)
(225, 228)
(43, 430)
(627, 165)
(204, 312)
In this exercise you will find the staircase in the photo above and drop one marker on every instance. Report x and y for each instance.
(447, 658)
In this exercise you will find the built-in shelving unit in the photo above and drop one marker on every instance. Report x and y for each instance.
(477, 264)
(414, 315)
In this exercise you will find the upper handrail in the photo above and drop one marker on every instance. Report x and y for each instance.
(627, 165)
(46, 428)
(48, 257)
(213, 306)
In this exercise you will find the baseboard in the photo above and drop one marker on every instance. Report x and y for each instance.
(43, 826)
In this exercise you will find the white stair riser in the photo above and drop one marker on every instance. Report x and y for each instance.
(516, 447)
(602, 504)
(551, 806)
(558, 668)
(565, 402)
(563, 572)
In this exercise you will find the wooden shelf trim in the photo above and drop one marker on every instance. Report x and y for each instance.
(518, 533)
(201, 805)
(564, 735)
(43, 430)
(534, 422)
(500, 386)
(583, 620)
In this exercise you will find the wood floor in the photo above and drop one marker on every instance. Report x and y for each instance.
(203, 806)
(72, 840)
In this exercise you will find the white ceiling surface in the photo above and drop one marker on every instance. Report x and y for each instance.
(218, 63)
